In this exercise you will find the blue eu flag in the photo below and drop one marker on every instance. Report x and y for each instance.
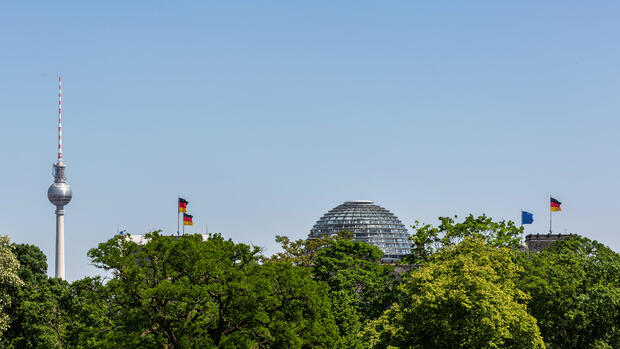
(527, 218)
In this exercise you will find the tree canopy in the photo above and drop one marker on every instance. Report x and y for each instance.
(360, 287)
(575, 293)
(468, 284)
(188, 292)
(38, 312)
(428, 239)
(464, 297)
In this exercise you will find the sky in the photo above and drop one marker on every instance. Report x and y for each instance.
(264, 115)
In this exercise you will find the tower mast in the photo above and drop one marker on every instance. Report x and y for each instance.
(59, 120)
(60, 194)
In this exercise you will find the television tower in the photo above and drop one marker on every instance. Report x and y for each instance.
(59, 195)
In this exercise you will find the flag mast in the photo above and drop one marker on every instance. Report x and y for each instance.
(182, 209)
(550, 215)
(178, 214)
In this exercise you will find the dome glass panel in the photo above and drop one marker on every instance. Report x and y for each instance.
(369, 223)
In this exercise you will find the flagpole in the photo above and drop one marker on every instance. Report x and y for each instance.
(550, 215)
(178, 214)
(521, 218)
(183, 225)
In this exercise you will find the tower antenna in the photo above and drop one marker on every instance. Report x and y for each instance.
(59, 120)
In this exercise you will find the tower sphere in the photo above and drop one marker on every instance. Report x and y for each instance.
(369, 223)
(59, 193)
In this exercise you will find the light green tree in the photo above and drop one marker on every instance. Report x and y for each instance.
(428, 239)
(464, 296)
(9, 279)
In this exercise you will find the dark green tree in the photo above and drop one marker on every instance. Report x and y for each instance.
(32, 263)
(303, 252)
(575, 293)
(185, 292)
(361, 288)
(93, 318)
(37, 317)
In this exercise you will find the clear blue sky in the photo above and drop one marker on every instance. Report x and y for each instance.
(266, 114)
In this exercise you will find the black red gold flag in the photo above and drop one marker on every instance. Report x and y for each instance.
(555, 205)
(187, 219)
(183, 205)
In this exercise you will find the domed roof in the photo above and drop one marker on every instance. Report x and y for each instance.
(369, 223)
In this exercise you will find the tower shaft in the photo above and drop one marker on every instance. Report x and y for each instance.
(60, 242)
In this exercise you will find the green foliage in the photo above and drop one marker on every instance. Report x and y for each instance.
(9, 280)
(575, 293)
(360, 287)
(463, 297)
(471, 288)
(187, 292)
(32, 261)
(91, 316)
(37, 315)
(353, 266)
(38, 318)
(428, 239)
(303, 252)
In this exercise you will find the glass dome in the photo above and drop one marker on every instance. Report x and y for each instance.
(369, 223)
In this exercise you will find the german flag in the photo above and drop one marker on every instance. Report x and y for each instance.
(187, 219)
(183, 205)
(555, 205)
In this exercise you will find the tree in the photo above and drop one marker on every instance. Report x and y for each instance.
(37, 317)
(361, 288)
(463, 297)
(428, 239)
(575, 293)
(185, 292)
(89, 316)
(32, 263)
(9, 279)
(303, 252)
